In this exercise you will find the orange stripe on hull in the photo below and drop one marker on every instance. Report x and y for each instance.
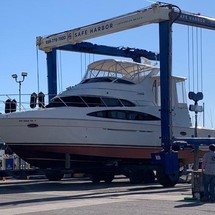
(107, 151)
(127, 152)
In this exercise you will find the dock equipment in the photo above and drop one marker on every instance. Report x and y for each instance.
(163, 14)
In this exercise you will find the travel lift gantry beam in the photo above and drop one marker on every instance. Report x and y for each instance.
(163, 14)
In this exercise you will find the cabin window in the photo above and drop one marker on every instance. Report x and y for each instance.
(106, 79)
(127, 103)
(56, 102)
(74, 101)
(93, 101)
(124, 115)
(114, 114)
(181, 94)
(93, 80)
(111, 102)
(178, 92)
(156, 91)
(88, 101)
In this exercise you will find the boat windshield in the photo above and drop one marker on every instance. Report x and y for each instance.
(110, 70)
(88, 101)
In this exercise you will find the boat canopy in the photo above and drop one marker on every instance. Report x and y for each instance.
(118, 69)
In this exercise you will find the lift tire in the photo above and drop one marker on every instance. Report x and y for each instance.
(108, 177)
(136, 176)
(95, 178)
(22, 175)
(149, 176)
(166, 180)
(54, 176)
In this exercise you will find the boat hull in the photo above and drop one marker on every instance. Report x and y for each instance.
(81, 155)
(45, 142)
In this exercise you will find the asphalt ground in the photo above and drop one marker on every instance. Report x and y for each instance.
(80, 197)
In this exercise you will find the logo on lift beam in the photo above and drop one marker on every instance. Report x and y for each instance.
(93, 30)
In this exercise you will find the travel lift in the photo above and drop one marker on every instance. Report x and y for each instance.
(163, 14)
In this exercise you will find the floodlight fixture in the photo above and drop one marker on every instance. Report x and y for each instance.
(24, 74)
(14, 76)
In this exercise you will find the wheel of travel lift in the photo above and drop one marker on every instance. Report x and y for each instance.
(96, 178)
(108, 177)
(149, 176)
(21, 175)
(136, 176)
(54, 176)
(167, 180)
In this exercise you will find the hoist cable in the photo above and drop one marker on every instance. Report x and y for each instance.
(81, 65)
(89, 56)
(59, 71)
(193, 69)
(197, 60)
(58, 77)
(85, 61)
(38, 72)
(188, 51)
(201, 66)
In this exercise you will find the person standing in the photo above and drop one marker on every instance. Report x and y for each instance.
(208, 168)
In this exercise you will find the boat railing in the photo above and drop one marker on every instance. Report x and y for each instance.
(61, 100)
(15, 102)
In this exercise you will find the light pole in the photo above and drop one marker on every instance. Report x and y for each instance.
(197, 175)
(15, 76)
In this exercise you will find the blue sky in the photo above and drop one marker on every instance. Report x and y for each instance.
(22, 21)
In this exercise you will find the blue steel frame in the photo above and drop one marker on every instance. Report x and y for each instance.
(52, 73)
(87, 47)
(165, 37)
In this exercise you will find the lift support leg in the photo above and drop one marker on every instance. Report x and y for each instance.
(166, 160)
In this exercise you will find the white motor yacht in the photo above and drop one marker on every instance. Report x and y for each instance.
(113, 114)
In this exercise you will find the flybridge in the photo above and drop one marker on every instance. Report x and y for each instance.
(153, 14)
